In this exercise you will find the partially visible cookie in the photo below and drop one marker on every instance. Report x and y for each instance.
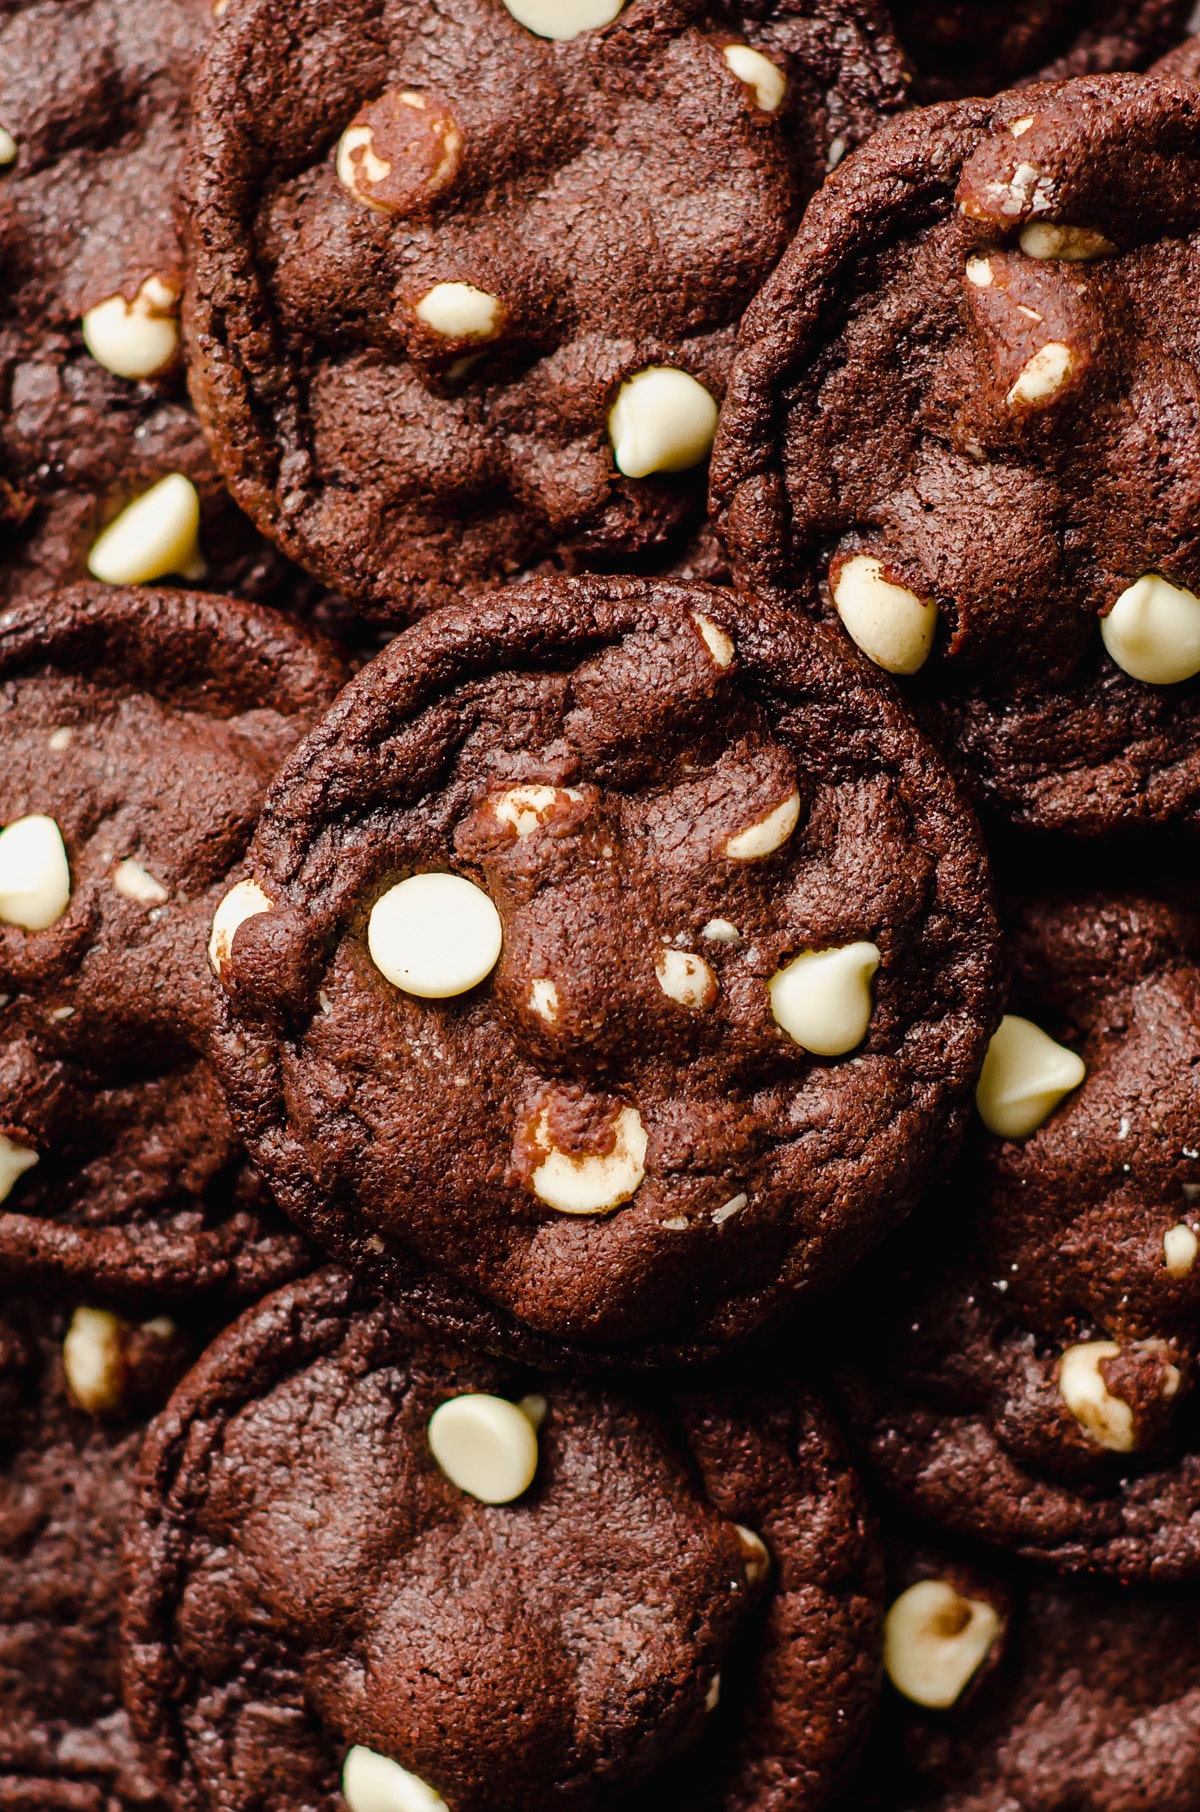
(965, 47)
(960, 422)
(361, 1557)
(623, 953)
(138, 734)
(465, 288)
(1029, 1376)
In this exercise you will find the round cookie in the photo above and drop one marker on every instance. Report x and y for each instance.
(1031, 1379)
(465, 293)
(94, 115)
(138, 734)
(628, 962)
(960, 421)
(966, 47)
(315, 1570)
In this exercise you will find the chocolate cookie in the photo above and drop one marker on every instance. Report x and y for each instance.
(467, 276)
(1032, 1380)
(66, 1486)
(960, 420)
(94, 115)
(627, 961)
(138, 734)
(360, 1558)
(965, 47)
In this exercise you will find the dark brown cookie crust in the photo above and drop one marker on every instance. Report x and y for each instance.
(870, 411)
(624, 223)
(148, 724)
(974, 47)
(608, 687)
(326, 1389)
(1050, 1242)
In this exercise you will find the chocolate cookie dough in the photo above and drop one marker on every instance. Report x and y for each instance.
(1031, 1379)
(467, 276)
(630, 962)
(138, 734)
(961, 420)
(362, 1560)
(965, 47)
(94, 115)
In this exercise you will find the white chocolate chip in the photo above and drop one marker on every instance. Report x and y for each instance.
(243, 901)
(979, 272)
(756, 1557)
(374, 1783)
(15, 1160)
(93, 1360)
(35, 877)
(8, 148)
(712, 1697)
(563, 18)
(759, 73)
(720, 931)
(719, 645)
(686, 978)
(590, 1183)
(359, 173)
(1024, 1077)
(768, 835)
(1152, 632)
(135, 339)
(1044, 375)
(1180, 1250)
(1105, 1419)
(1065, 244)
(435, 935)
(543, 999)
(60, 740)
(157, 534)
(728, 1209)
(459, 311)
(1020, 127)
(527, 808)
(662, 421)
(822, 999)
(935, 1640)
(137, 883)
(486, 1446)
(892, 625)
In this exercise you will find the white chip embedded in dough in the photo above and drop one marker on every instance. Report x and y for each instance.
(767, 835)
(15, 1160)
(685, 978)
(35, 876)
(563, 18)
(243, 901)
(435, 935)
(662, 421)
(157, 535)
(935, 1640)
(823, 999)
(1152, 632)
(1106, 1419)
(374, 1783)
(892, 625)
(759, 73)
(459, 311)
(591, 1183)
(135, 339)
(486, 1446)
(1024, 1077)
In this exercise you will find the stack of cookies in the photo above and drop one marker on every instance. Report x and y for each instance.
(600, 651)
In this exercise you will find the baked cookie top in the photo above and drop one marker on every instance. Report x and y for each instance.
(466, 278)
(138, 733)
(961, 421)
(367, 1561)
(94, 115)
(966, 47)
(1033, 1382)
(630, 962)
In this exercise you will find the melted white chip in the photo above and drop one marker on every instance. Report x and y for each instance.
(1180, 1250)
(934, 1640)
(435, 935)
(374, 1783)
(158, 534)
(15, 1160)
(768, 835)
(135, 339)
(712, 1697)
(8, 148)
(543, 999)
(720, 931)
(563, 18)
(243, 901)
(93, 1363)
(759, 73)
(979, 272)
(662, 421)
(685, 978)
(528, 807)
(591, 1183)
(823, 998)
(719, 645)
(756, 1557)
(459, 311)
(35, 877)
(1024, 1077)
(486, 1446)
(137, 883)
(1065, 244)
(1043, 376)
(1152, 632)
(728, 1209)
(1105, 1419)
(892, 625)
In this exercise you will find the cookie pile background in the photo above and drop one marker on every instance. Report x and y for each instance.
(599, 906)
